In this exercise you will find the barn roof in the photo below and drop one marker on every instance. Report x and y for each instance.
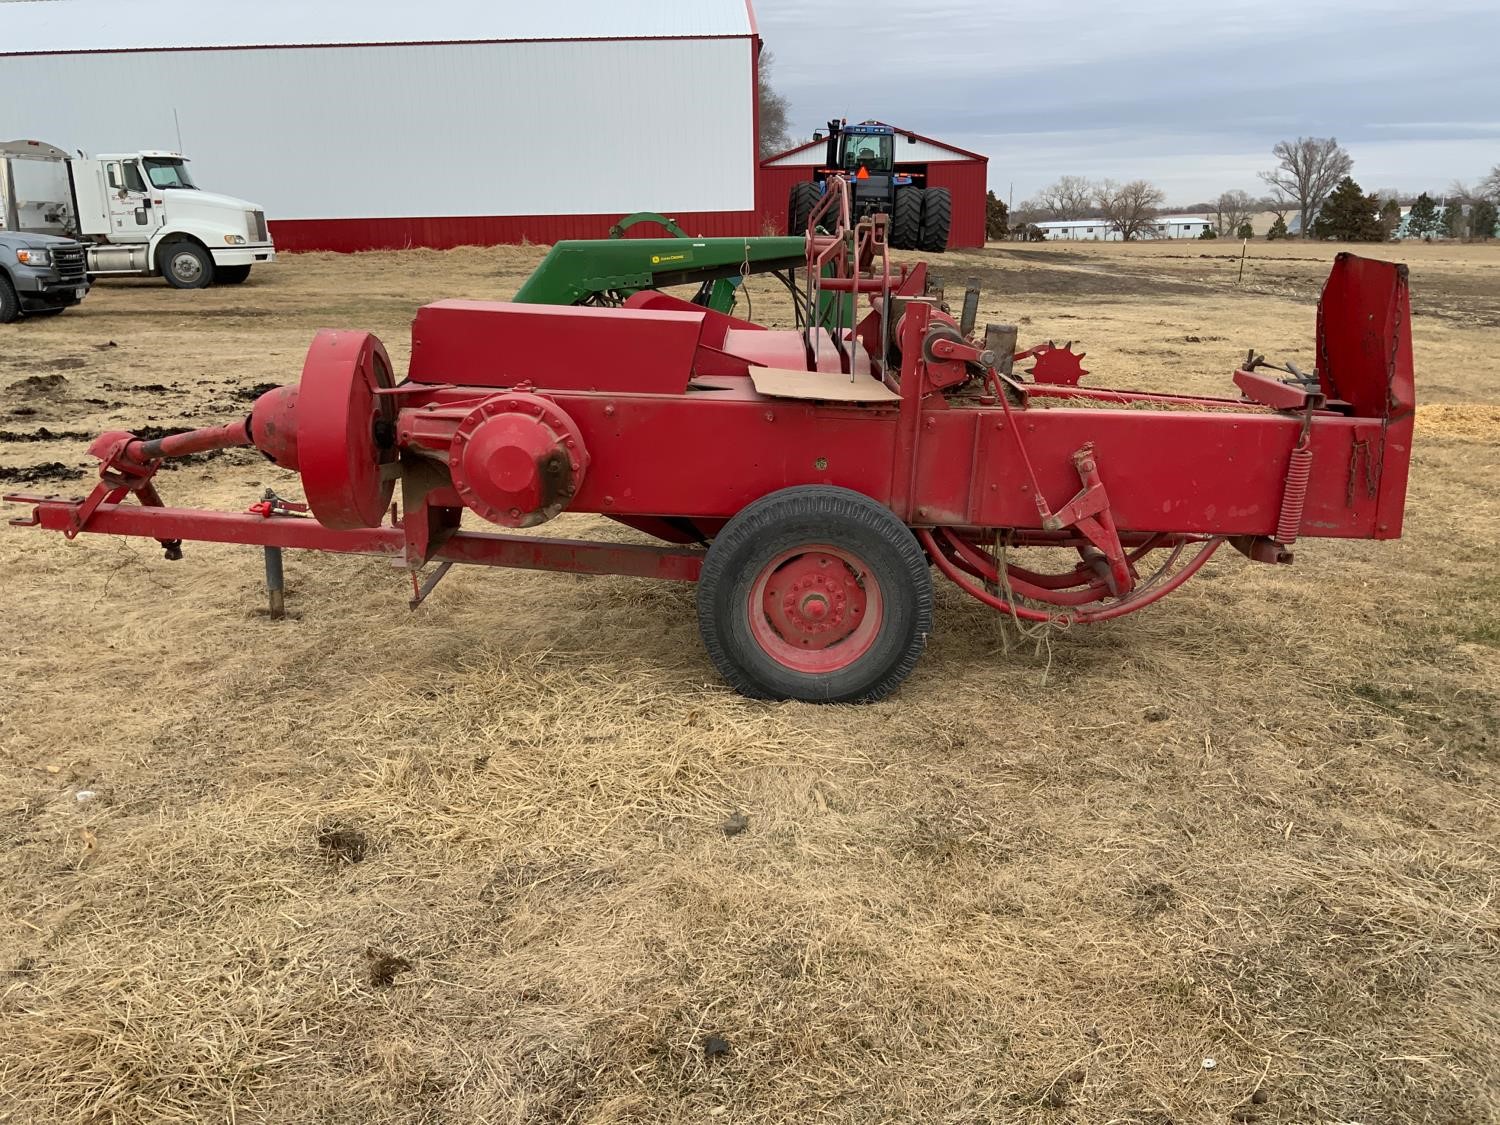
(805, 146)
(65, 26)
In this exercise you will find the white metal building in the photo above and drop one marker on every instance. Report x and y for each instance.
(1098, 230)
(363, 125)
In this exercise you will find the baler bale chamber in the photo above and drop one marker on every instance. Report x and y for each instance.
(814, 481)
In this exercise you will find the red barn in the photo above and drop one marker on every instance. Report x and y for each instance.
(963, 173)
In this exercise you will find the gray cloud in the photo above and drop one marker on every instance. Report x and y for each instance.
(1192, 100)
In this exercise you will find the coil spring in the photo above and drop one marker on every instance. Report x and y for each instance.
(1298, 471)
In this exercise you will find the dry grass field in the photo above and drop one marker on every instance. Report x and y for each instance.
(468, 864)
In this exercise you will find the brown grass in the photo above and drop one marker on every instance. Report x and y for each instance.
(470, 863)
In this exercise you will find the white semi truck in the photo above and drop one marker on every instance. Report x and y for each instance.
(138, 214)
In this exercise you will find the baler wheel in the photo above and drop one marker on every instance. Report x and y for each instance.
(817, 594)
(937, 217)
(906, 219)
(799, 207)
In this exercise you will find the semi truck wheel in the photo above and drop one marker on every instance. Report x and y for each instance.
(10, 304)
(815, 593)
(185, 265)
(799, 207)
(937, 217)
(230, 275)
(906, 219)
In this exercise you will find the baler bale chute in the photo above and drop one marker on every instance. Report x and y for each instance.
(812, 481)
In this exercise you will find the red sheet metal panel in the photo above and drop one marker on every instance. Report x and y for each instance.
(966, 179)
(499, 344)
(348, 236)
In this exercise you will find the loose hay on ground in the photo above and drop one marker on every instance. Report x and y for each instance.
(469, 864)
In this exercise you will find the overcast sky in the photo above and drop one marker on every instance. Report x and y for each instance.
(1192, 100)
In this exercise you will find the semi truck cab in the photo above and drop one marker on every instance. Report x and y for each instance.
(140, 214)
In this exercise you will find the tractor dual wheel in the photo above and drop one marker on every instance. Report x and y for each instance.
(937, 217)
(799, 207)
(817, 594)
(906, 219)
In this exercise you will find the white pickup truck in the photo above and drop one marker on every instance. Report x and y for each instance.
(138, 214)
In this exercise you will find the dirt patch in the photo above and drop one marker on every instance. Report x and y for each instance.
(34, 386)
(340, 843)
(383, 967)
(44, 434)
(38, 473)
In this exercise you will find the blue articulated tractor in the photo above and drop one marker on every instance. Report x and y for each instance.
(867, 155)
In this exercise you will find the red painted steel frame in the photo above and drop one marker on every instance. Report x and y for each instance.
(672, 445)
(523, 552)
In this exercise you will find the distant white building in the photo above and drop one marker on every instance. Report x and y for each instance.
(1099, 230)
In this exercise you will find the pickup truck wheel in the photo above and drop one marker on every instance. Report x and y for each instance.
(10, 305)
(230, 275)
(186, 265)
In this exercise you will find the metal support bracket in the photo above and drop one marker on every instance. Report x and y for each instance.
(1089, 512)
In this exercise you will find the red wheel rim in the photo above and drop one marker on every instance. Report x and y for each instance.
(815, 609)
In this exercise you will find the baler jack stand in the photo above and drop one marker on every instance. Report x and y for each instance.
(275, 583)
(420, 590)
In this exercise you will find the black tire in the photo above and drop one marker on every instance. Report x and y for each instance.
(906, 219)
(937, 217)
(230, 275)
(855, 559)
(10, 304)
(799, 207)
(185, 265)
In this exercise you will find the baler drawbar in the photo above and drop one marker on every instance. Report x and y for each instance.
(812, 480)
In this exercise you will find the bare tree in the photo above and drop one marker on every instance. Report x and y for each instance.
(1279, 206)
(1069, 198)
(1307, 170)
(1130, 209)
(1489, 187)
(1027, 211)
(773, 110)
(1460, 191)
(1230, 210)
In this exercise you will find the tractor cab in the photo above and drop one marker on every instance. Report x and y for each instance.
(865, 154)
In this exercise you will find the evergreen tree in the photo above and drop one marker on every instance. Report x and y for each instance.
(1422, 219)
(1482, 220)
(1245, 231)
(1390, 219)
(1348, 215)
(1453, 219)
(996, 218)
(1278, 230)
(1208, 232)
